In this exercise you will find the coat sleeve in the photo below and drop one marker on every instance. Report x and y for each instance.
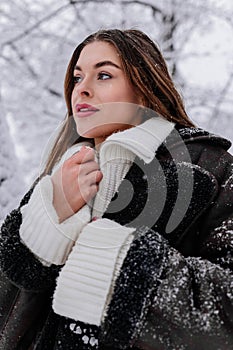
(166, 300)
(163, 300)
(192, 307)
(17, 262)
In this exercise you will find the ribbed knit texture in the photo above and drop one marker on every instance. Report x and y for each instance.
(41, 231)
(118, 152)
(50, 241)
(144, 139)
(114, 161)
(85, 281)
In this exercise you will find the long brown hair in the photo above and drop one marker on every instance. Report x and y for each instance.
(147, 72)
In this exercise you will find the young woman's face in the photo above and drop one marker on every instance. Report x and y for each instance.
(103, 101)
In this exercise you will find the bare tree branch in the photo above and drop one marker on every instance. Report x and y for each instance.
(28, 30)
(154, 8)
(129, 2)
(24, 60)
(53, 92)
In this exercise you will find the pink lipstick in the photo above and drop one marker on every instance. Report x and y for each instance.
(85, 110)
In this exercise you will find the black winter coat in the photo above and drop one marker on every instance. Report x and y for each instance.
(175, 288)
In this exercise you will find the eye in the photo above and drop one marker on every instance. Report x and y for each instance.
(77, 79)
(104, 76)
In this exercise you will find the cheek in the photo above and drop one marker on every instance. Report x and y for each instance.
(128, 95)
(107, 95)
(114, 93)
(121, 112)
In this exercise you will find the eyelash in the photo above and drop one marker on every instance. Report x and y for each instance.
(106, 74)
(101, 74)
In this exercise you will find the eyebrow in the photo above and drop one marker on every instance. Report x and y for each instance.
(100, 64)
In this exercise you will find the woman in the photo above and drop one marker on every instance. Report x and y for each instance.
(125, 240)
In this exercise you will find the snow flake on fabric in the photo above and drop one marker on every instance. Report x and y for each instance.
(189, 304)
(86, 335)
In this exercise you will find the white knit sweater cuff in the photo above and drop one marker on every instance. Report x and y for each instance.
(41, 232)
(115, 162)
(87, 279)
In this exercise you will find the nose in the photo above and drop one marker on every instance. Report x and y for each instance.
(84, 89)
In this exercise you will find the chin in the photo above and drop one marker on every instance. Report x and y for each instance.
(89, 134)
(102, 131)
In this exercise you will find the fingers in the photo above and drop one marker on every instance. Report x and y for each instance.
(91, 188)
(85, 160)
(98, 176)
(88, 167)
(92, 178)
(86, 154)
(89, 193)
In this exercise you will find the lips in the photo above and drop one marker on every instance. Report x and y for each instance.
(84, 109)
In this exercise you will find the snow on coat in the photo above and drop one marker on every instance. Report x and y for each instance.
(175, 288)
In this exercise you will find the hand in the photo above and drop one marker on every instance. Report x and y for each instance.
(75, 183)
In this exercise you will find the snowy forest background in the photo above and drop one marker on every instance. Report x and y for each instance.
(38, 38)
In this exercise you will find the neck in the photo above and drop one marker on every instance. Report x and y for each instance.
(98, 141)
